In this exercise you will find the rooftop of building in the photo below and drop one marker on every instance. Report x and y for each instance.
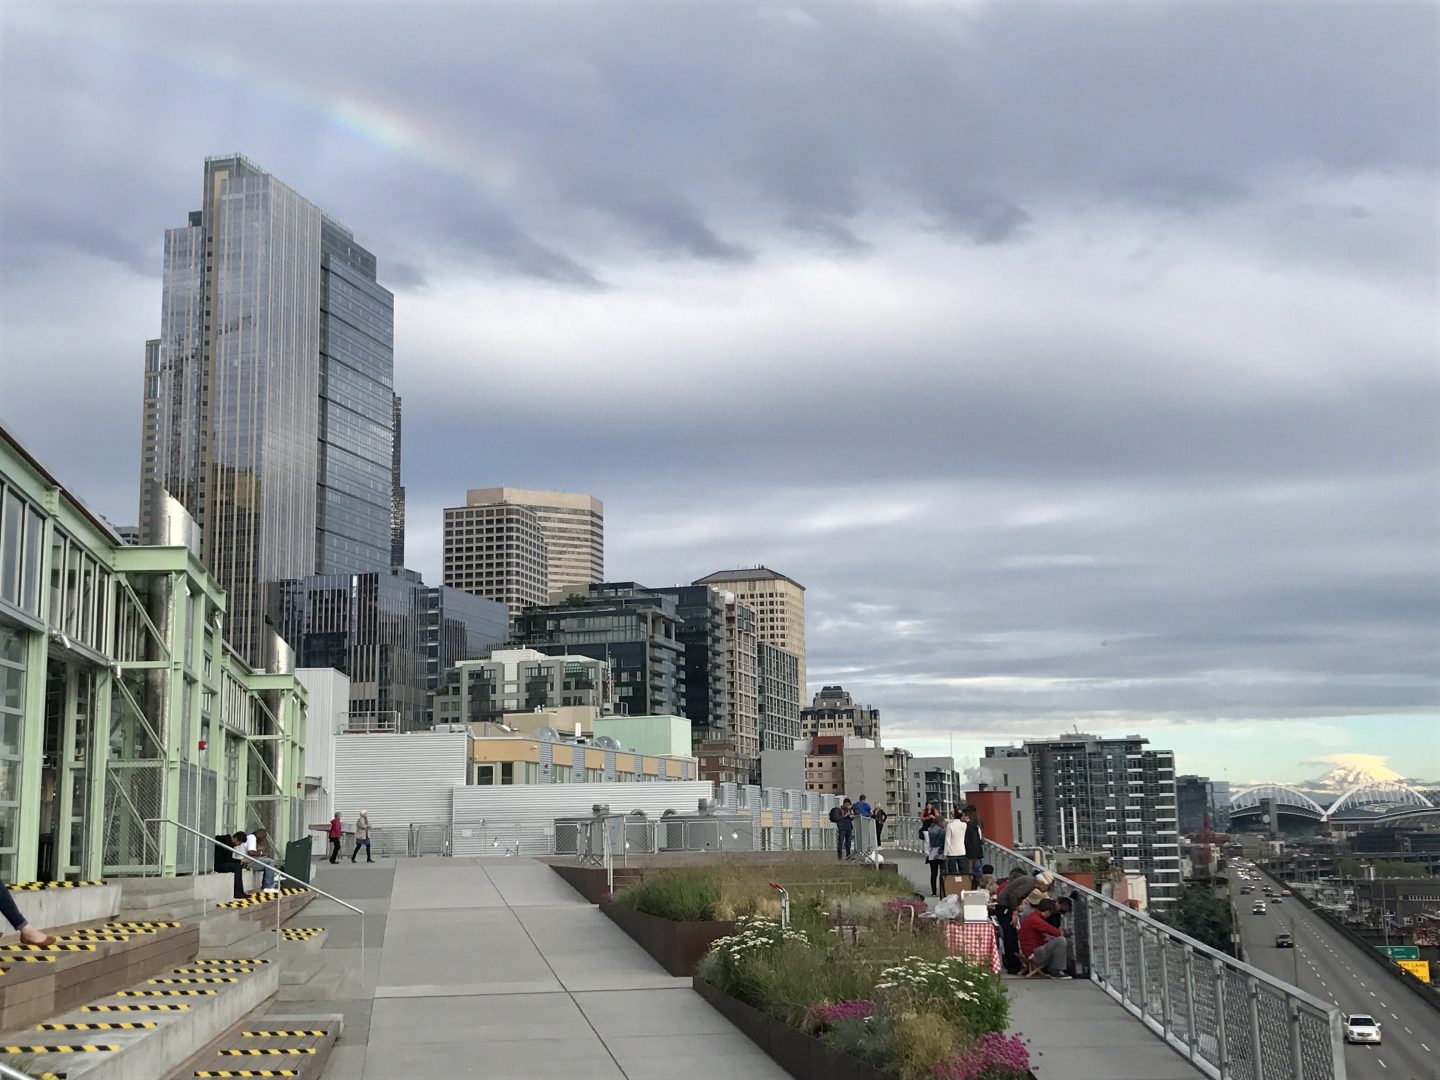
(749, 573)
(565, 500)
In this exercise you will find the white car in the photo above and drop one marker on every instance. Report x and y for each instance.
(1360, 1028)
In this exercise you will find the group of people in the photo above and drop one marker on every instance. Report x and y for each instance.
(335, 831)
(844, 817)
(246, 851)
(1035, 931)
(953, 848)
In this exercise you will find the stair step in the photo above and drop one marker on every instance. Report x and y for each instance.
(297, 1046)
(171, 1021)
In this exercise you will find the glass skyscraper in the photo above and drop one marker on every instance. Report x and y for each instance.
(268, 395)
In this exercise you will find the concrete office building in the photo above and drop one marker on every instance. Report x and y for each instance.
(572, 525)
(390, 634)
(845, 767)
(834, 712)
(780, 696)
(521, 681)
(934, 780)
(120, 700)
(268, 396)
(497, 551)
(1089, 793)
(633, 629)
(779, 605)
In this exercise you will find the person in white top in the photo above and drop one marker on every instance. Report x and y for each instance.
(955, 844)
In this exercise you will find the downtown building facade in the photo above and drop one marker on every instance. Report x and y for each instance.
(1087, 793)
(508, 681)
(120, 699)
(572, 526)
(834, 712)
(393, 636)
(1202, 801)
(778, 602)
(497, 551)
(934, 780)
(269, 409)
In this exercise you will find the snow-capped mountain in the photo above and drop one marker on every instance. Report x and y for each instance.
(1348, 774)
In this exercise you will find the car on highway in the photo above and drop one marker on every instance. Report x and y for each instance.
(1266, 889)
(1284, 941)
(1258, 909)
(1276, 899)
(1284, 892)
(1246, 890)
(1361, 1028)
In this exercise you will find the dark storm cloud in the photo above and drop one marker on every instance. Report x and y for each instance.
(1079, 358)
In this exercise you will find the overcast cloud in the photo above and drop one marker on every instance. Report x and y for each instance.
(1080, 359)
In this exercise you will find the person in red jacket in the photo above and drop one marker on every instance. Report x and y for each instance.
(1044, 945)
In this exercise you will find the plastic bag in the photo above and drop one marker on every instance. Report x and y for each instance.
(949, 908)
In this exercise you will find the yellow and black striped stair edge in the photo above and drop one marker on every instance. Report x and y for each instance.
(91, 935)
(30, 958)
(86, 1049)
(266, 1051)
(182, 982)
(318, 1033)
(222, 963)
(213, 971)
(245, 1072)
(132, 1025)
(58, 946)
(141, 925)
(36, 886)
(164, 993)
(157, 1007)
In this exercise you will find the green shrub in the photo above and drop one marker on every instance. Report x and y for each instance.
(952, 988)
(680, 895)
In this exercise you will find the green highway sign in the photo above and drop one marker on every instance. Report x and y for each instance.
(1400, 952)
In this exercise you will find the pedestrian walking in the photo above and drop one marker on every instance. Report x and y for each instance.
(879, 816)
(334, 831)
(362, 836)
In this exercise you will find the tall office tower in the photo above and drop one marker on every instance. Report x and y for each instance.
(834, 712)
(701, 611)
(397, 498)
(573, 527)
(780, 696)
(1082, 792)
(1202, 802)
(268, 393)
(497, 551)
(778, 603)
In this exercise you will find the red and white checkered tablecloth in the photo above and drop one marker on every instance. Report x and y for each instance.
(974, 941)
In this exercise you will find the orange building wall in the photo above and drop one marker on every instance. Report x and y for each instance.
(997, 820)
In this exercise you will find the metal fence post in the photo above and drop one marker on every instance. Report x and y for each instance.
(1220, 1035)
(1190, 1001)
(1257, 1049)
(1144, 980)
(1297, 1058)
(1164, 988)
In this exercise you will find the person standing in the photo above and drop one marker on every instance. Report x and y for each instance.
(974, 845)
(955, 844)
(862, 808)
(28, 934)
(844, 818)
(934, 834)
(333, 831)
(878, 815)
(362, 836)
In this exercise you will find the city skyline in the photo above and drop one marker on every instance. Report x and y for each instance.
(1135, 434)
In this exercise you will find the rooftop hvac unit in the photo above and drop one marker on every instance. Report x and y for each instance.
(608, 742)
(549, 734)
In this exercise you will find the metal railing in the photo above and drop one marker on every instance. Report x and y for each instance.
(1233, 1021)
(279, 937)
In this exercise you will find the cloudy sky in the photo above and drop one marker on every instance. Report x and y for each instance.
(1080, 359)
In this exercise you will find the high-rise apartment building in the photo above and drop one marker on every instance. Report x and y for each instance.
(834, 712)
(780, 696)
(779, 605)
(522, 680)
(572, 525)
(397, 498)
(702, 633)
(1083, 792)
(934, 780)
(633, 629)
(497, 550)
(268, 406)
(1202, 801)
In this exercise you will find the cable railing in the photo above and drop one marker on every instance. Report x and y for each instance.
(279, 937)
(1233, 1021)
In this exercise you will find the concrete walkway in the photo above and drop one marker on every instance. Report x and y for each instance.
(1076, 1031)
(496, 968)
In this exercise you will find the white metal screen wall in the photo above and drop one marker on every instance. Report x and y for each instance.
(400, 779)
(483, 815)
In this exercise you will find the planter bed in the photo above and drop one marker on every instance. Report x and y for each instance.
(801, 1055)
(675, 946)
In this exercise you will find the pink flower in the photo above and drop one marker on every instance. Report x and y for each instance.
(822, 1015)
(991, 1055)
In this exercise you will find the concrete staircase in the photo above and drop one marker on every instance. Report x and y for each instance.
(269, 1046)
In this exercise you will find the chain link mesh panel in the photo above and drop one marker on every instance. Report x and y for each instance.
(134, 793)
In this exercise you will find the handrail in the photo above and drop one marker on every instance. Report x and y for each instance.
(1236, 1043)
(281, 873)
(8, 1073)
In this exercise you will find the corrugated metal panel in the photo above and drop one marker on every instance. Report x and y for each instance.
(400, 779)
(523, 813)
(609, 764)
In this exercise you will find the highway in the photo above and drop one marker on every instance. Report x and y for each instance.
(1329, 966)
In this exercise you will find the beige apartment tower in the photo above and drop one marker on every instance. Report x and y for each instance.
(498, 552)
(778, 603)
(572, 525)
